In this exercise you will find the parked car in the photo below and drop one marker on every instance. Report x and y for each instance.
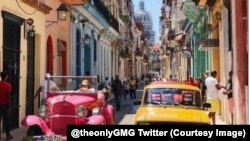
(68, 105)
(171, 103)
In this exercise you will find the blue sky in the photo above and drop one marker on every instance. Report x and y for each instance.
(153, 7)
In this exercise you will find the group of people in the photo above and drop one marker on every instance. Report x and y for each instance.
(120, 89)
(210, 88)
(212, 94)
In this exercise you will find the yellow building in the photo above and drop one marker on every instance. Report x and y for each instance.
(22, 40)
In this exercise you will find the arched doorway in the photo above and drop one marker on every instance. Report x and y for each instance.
(49, 58)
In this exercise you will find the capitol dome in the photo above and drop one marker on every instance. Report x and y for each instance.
(144, 17)
(142, 14)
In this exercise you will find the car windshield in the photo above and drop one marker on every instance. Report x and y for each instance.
(72, 83)
(173, 97)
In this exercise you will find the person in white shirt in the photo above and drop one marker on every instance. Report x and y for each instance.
(107, 83)
(212, 95)
(44, 88)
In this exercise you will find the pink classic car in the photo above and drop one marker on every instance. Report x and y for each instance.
(69, 105)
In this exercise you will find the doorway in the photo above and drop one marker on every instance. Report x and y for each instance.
(49, 58)
(61, 62)
(11, 60)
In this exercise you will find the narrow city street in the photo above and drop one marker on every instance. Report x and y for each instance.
(47, 44)
(126, 115)
(123, 117)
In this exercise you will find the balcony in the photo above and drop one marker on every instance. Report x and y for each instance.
(156, 65)
(125, 18)
(125, 53)
(138, 52)
(42, 7)
(106, 14)
(145, 58)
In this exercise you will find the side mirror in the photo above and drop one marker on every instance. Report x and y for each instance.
(207, 105)
(138, 102)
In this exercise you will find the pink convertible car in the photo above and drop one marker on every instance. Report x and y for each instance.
(68, 105)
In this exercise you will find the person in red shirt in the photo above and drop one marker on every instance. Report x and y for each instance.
(191, 81)
(5, 105)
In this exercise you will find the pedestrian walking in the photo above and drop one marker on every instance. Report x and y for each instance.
(132, 88)
(5, 103)
(191, 81)
(126, 89)
(201, 86)
(212, 95)
(107, 83)
(117, 89)
(229, 92)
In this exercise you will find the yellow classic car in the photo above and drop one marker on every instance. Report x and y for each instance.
(171, 103)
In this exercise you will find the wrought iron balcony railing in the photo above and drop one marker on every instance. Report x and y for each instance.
(138, 52)
(106, 14)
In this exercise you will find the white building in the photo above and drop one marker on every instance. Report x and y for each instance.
(147, 23)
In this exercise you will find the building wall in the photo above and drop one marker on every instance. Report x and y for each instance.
(39, 18)
(57, 31)
(240, 76)
(217, 53)
(101, 67)
(226, 61)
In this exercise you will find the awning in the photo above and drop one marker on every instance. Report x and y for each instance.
(181, 39)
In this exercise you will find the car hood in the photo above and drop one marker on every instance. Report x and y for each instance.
(73, 99)
(171, 114)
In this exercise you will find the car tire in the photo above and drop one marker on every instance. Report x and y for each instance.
(34, 130)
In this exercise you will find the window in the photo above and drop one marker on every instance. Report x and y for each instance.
(173, 97)
(95, 50)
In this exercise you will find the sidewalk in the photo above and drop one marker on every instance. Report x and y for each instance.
(219, 121)
(17, 134)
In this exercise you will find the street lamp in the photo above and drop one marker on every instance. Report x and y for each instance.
(29, 30)
(61, 14)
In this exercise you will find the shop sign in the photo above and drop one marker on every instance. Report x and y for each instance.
(208, 43)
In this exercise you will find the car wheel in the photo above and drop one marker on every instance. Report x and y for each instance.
(34, 130)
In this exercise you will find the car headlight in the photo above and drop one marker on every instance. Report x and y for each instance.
(81, 111)
(43, 111)
(96, 111)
